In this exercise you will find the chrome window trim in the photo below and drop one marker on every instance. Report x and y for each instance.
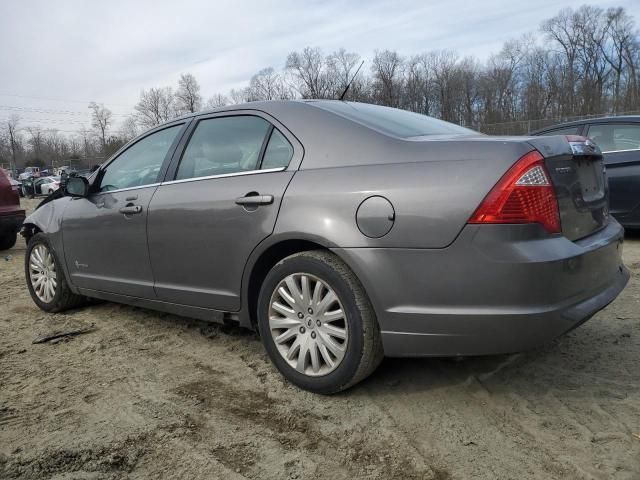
(225, 175)
(626, 150)
(128, 188)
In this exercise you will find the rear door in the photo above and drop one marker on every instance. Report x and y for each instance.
(220, 200)
(620, 144)
(105, 234)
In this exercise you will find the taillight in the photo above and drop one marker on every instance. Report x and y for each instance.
(523, 195)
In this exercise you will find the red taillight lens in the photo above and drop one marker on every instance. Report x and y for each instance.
(523, 195)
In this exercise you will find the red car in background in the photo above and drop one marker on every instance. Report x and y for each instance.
(11, 215)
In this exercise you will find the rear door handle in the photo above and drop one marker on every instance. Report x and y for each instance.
(131, 209)
(255, 200)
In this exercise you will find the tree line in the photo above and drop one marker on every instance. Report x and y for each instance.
(581, 62)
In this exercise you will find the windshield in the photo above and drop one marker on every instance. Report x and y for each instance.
(392, 121)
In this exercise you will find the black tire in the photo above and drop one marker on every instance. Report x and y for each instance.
(364, 345)
(64, 298)
(8, 240)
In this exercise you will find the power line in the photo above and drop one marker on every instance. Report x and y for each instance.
(52, 99)
(13, 108)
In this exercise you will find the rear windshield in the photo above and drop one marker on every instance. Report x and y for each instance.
(392, 121)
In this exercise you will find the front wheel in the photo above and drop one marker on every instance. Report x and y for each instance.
(317, 324)
(45, 278)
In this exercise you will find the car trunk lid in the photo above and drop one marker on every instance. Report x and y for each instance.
(577, 172)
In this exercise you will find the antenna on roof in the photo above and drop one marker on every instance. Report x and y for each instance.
(351, 81)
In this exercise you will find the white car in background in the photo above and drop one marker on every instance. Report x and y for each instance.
(29, 172)
(49, 185)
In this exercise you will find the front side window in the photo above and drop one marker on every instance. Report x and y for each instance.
(139, 164)
(614, 137)
(223, 145)
(278, 152)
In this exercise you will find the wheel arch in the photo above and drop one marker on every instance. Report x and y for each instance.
(262, 259)
(28, 230)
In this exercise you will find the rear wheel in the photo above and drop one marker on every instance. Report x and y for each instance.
(317, 323)
(45, 278)
(8, 240)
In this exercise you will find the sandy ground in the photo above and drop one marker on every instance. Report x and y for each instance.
(151, 395)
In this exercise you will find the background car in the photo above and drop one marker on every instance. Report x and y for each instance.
(11, 215)
(17, 186)
(341, 231)
(29, 172)
(47, 185)
(619, 139)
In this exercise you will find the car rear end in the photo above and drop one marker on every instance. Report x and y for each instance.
(537, 257)
(11, 215)
(52, 184)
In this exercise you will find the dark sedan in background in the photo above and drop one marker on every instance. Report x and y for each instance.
(619, 140)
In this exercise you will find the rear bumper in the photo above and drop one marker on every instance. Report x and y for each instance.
(11, 222)
(496, 289)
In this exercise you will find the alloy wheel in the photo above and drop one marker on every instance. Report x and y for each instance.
(308, 324)
(42, 273)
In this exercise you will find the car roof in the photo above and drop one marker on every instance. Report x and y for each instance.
(575, 123)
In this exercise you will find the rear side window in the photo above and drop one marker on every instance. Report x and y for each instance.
(278, 153)
(392, 121)
(563, 131)
(223, 145)
(615, 137)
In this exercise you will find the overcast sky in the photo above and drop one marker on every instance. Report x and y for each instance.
(58, 56)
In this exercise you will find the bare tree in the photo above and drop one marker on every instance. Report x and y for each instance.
(75, 146)
(619, 27)
(87, 146)
(36, 141)
(239, 95)
(341, 67)
(388, 79)
(563, 29)
(309, 71)
(217, 100)
(100, 121)
(56, 146)
(268, 85)
(156, 105)
(188, 98)
(129, 128)
(11, 126)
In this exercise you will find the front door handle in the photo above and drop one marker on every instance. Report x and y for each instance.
(131, 209)
(253, 200)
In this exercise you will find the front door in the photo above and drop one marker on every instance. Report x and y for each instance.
(222, 202)
(105, 234)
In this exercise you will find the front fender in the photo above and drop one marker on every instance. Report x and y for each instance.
(47, 218)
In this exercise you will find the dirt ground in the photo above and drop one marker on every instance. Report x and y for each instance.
(152, 395)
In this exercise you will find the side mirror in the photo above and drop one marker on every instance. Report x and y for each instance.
(77, 187)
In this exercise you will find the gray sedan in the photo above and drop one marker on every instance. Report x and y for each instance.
(342, 232)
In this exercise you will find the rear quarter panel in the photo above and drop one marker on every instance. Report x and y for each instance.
(433, 191)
